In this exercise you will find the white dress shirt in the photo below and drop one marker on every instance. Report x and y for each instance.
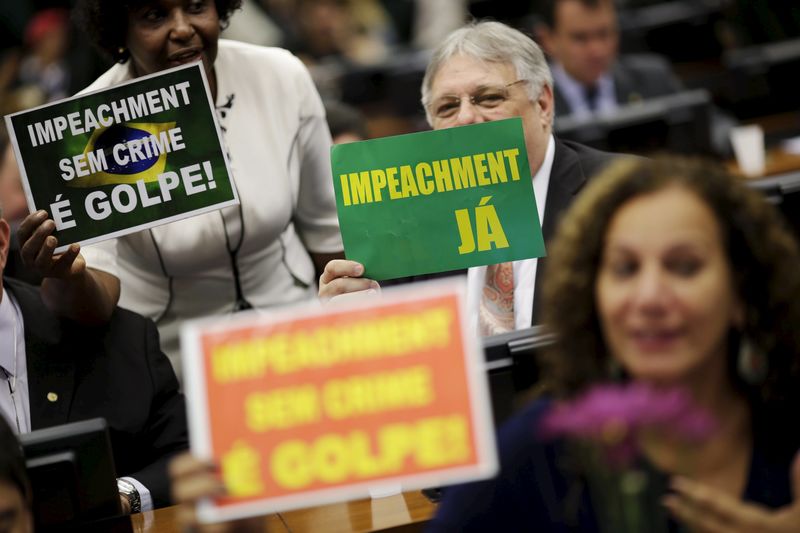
(14, 401)
(525, 269)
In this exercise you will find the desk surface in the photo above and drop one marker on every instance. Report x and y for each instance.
(777, 161)
(402, 513)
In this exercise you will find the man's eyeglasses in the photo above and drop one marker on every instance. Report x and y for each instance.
(486, 98)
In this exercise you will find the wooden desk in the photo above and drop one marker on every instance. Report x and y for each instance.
(777, 161)
(404, 513)
(165, 520)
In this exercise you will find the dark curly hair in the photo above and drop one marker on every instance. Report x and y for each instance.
(764, 261)
(106, 22)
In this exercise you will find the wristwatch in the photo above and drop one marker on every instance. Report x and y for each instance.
(127, 489)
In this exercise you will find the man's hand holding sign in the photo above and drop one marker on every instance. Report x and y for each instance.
(432, 202)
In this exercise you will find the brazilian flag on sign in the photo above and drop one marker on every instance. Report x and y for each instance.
(106, 179)
(151, 140)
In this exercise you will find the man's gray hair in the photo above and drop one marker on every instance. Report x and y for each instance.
(492, 42)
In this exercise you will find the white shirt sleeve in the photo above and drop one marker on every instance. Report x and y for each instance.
(144, 494)
(315, 214)
(102, 256)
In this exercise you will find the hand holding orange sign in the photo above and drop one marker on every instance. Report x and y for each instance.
(315, 405)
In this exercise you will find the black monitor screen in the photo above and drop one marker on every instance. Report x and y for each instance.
(679, 123)
(512, 368)
(783, 191)
(72, 474)
(763, 79)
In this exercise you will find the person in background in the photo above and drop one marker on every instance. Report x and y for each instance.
(45, 64)
(483, 72)
(581, 37)
(253, 25)
(12, 196)
(15, 491)
(340, 32)
(54, 371)
(347, 123)
(264, 252)
(673, 274)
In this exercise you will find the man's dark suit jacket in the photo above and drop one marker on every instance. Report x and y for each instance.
(636, 78)
(573, 165)
(116, 371)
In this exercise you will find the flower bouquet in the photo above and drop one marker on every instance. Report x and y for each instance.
(604, 429)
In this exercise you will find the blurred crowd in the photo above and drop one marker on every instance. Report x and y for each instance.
(371, 53)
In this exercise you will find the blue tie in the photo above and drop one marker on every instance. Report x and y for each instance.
(591, 93)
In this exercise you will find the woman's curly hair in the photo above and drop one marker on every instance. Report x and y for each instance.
(106, 22)
(764, 262)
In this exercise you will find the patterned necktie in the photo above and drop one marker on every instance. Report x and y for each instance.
(496, 313)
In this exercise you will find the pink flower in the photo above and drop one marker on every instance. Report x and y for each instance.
(613, 416)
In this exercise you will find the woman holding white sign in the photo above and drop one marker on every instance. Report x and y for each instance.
(262, 253)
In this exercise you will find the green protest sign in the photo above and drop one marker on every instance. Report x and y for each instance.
(115, 161)
(438, 200)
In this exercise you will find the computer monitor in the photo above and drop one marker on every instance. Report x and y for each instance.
(763, 79)
(783, 191)
(679, 122)
(72, 474)
(683, 30)
(512, 367)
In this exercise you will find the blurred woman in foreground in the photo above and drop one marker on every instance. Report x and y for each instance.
(669, 273)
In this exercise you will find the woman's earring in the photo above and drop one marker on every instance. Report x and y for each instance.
(752, 364)
(121, 54)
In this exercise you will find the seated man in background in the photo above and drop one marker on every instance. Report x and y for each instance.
(15, 491)
(57, 371)
(581, 38)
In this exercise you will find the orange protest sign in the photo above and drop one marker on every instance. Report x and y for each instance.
(318, 404)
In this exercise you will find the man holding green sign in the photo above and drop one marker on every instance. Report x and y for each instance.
(466, 183)
(482, 73)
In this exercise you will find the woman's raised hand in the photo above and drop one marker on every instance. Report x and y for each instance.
(709, 510)
(37, 244)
